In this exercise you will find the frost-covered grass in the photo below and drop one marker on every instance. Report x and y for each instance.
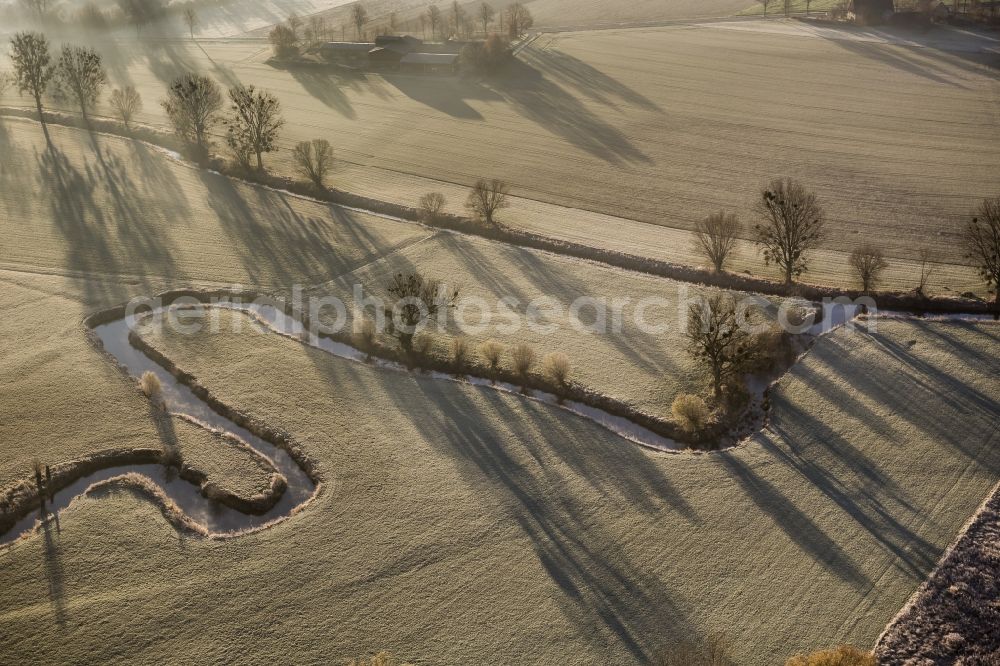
(557, 535)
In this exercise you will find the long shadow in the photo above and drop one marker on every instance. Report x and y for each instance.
(969, 410)
(898, 57)
(602, 589)
(863, 499)
(120, 236)
(546, 103)
(54, 572)
(279, 245)
(446, 95)
(604, 592)
(587, 79)
(557, 278)
(326, 87)
(796, 524)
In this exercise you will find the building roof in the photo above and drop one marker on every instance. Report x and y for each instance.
(348, 46)
(430, 59)
(383, 53)
(386, 40)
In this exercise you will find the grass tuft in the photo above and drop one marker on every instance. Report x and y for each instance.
(845, 655)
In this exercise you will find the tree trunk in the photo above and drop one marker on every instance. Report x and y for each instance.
(260, 164)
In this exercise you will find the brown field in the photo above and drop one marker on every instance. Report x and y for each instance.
(626, 138)
(460, 524)
(457, 524)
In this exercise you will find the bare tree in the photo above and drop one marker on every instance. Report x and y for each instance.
(284, 41)
(431, 206)
(359, 15)
(792, 224)
(319, 29)
(33, 71)
(190, 17)
(192, 104)
(486, 198)
(808, 6)
(716, 237)
(6, 80)
(127, 103)
(40, 8)
(294, 23)
(486, 14)
(434, 17)
(717, 338)
(141, 12)
(788, 7)
(926, 270)
(255, 123)
(868, 263)
(457, 17)
(313, 161)
(982, 242)
(764, 4)
(423, 25)
(417, 300)
(519, 20)
(80, 76)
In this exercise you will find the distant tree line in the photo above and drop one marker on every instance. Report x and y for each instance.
(791, 224)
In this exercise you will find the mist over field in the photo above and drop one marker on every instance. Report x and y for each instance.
(391, 332)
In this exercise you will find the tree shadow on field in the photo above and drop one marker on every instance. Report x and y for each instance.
(123, 237)
(900, 57)
(586, 79)
(326, 87)
(795, 523)
(948, 410)
(54, 572)
(546, 103)
(861, 491)
(604, 591)
(279, 245)
(961, 413)
(447, 95)
(558, 278)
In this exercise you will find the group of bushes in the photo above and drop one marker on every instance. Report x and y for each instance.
(517, 364)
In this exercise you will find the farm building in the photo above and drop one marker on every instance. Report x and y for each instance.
(430, 63)
(871, 12)
(347, 53)
(396, 52)
(390, 50)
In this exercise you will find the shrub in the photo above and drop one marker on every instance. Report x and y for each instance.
(364, 334)
(524, 358)
(691, 412)
(460, 351)
(772, 351)
(150, 385)
(492, 351)
(557, 368)
(417, 300)
(845, 655)
(431, 206)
